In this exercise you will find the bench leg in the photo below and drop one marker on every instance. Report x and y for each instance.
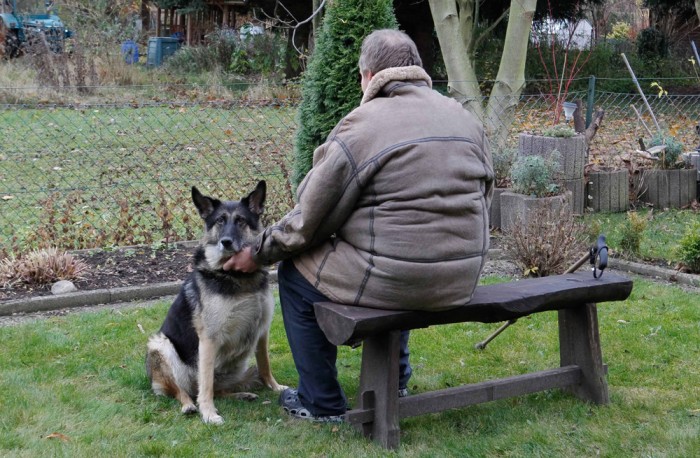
(579, 344)
(379, 386)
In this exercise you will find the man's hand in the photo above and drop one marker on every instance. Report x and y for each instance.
(242, 261)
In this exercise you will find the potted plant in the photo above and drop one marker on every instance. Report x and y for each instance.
(668, 183)
(503, 159)
(572, 149)
(534, 180)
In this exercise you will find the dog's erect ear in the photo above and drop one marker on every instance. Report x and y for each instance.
(205, 205)
(256, 199)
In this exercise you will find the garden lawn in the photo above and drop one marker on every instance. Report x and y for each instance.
(75, 386)
(663, 231)
(89, 171)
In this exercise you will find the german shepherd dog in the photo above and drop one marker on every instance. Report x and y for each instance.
(219, 317)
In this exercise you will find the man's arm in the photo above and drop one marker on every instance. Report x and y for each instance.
(326, 198)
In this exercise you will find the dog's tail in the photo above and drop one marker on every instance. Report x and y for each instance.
(249, 381)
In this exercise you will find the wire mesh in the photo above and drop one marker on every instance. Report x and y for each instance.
(94, 175)
(98, 175)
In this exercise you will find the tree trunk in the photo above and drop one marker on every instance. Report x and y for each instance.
(454, 23)
(145, 15)
(505, 95)
(315, 24)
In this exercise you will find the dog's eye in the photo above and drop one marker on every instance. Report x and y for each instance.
(239, 221)
(221, 219)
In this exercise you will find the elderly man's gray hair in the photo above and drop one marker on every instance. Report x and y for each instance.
(387, 48)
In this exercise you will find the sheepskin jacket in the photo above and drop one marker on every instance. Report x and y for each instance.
(394, 212)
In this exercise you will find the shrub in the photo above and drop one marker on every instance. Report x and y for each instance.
(548, 243)
(674, 149)
(503, 159)
(559, 131)
(330, 87)
(631, 235)
(688, 249)
(620, 31)
(262, 54)
(222, 45)
(536, 175)
(41, 267)
(652, 44)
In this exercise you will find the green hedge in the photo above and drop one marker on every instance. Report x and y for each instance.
(330, 86)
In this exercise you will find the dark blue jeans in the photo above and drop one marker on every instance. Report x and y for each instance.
(314, 356)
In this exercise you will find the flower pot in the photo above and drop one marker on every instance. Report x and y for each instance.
(572, 150)
(495, 210)
(672, 188)
(577, 188)
(608, 191)
(516, 208)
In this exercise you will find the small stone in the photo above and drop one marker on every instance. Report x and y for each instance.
(63, 287)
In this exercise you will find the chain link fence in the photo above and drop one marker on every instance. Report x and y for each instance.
(82, 176)
(94, 175)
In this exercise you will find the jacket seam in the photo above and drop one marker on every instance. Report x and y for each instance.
(395, 146)
(372, 235)
(320, 267)
(430, 261)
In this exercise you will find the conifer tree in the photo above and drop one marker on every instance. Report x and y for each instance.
(330, 86)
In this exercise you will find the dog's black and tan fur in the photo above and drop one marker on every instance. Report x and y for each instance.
(219, 319)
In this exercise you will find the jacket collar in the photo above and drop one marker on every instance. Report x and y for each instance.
(382, 78)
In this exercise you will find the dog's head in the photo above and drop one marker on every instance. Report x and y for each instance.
(229, 225)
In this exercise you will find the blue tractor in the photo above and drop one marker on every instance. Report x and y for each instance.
(25, 21)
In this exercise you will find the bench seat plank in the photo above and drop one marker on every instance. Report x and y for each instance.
(349, 325)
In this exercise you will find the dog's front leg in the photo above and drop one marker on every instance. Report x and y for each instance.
(205, 378)
(262, 358)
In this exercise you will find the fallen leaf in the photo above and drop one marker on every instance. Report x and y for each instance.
(7, 197)
(59, 436)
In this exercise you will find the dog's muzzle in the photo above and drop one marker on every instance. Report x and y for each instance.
(227, 245)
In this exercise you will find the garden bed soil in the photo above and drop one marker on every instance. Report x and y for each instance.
(145, 265)
(117, 268)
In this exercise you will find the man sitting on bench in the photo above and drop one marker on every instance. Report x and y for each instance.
(393, 215)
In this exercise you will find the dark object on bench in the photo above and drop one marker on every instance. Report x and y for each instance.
(582, 371)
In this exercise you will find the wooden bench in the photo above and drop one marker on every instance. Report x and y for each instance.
(581, 371)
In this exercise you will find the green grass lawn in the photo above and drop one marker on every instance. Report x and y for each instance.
(76, 386)
(87, 175)
(660, 238)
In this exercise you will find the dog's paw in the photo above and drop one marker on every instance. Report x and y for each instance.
(246, 396)
(189, 409)
(212, 418)
(272, 384)
(277, 388)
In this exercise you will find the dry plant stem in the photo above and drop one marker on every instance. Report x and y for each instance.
(563, 81)
(546, 242)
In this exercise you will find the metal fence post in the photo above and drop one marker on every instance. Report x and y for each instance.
(591, 97)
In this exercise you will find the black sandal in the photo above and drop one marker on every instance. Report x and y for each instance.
(290, 402)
